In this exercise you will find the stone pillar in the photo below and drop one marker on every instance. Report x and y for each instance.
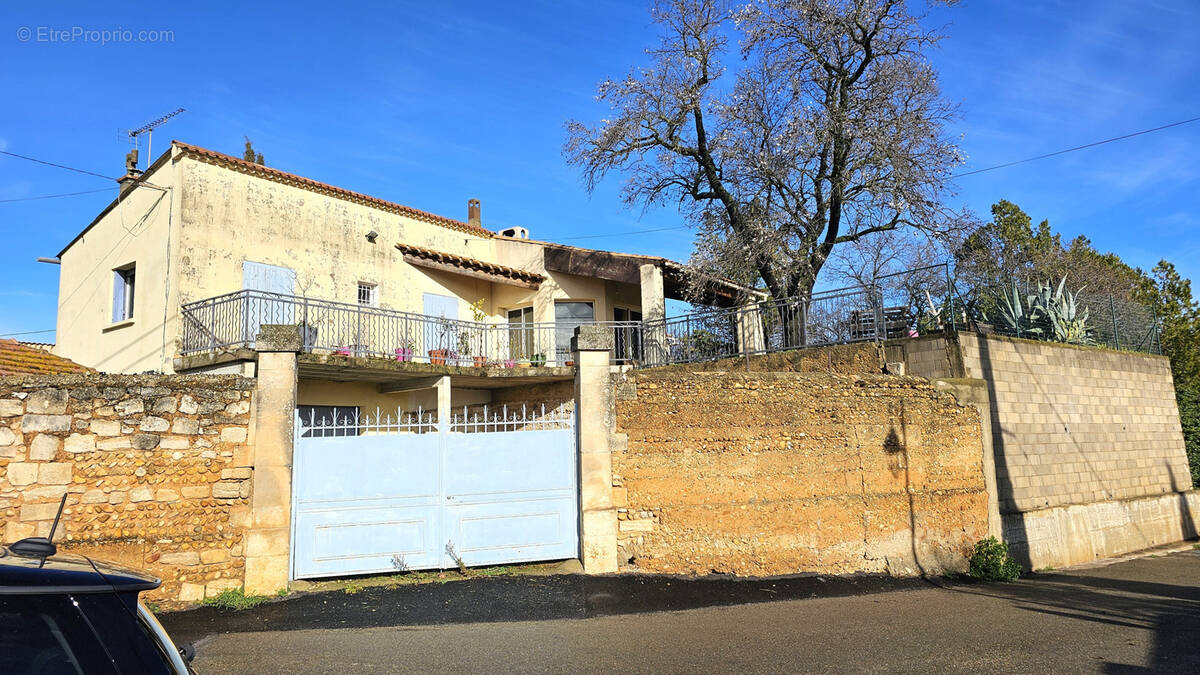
(443, 403)
(654, 310)
(591, 347)
(750, 329)
(268, 540)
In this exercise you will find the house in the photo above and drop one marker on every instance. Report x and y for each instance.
(198, 252)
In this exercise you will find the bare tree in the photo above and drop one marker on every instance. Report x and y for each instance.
(830, 131)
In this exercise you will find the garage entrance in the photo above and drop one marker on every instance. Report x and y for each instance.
(385, 493)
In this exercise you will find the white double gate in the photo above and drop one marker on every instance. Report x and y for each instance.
(407, 492)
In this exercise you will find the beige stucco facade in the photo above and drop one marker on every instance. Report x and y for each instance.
(139, 229)
(196, 218)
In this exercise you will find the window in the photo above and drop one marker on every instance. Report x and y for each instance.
(627, 340)
(366, 294)
(569, 315)
(123, 279)
(325, 421)
(47, 634)
(520, 344)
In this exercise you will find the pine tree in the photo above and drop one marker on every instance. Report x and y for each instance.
(250, 155)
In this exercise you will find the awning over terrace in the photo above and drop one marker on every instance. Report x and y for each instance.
(626, 268)
(457, 264)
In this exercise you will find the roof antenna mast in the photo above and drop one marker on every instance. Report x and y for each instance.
(148, 129)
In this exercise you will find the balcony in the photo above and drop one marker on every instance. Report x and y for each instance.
(232, 321)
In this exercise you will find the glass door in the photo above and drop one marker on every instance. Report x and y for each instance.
(569, 315)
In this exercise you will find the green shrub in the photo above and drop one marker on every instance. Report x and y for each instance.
(1189, 417)
(234, 599)
(990, 561)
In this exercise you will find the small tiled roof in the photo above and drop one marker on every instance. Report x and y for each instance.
(19, 359)
(471, 264)
(286, 178)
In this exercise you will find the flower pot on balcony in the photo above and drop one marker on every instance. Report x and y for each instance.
(523, 363)
(479, 361)
(438, 357)
(570, 363)
(538, 360)
(510, 363)
(404, 354)
(342, 351)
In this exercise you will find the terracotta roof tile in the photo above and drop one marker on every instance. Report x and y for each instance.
(470, 264)
(286, 178)
(19, 359)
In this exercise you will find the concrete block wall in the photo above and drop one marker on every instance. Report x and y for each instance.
(155, 469)
(1077, 425)
(934, 357)
(1088, 448)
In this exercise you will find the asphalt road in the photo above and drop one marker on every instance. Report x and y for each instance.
(1136, 616)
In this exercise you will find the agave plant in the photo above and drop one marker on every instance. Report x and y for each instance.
(1067, 319)
(1020, 315)
(1052, 313)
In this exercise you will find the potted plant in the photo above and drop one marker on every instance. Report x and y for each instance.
(523, 363)
(510, 363)
(464, 348)
(342, 351)
(404, 353)
(443, 356)
(480, 317)
(538, 360)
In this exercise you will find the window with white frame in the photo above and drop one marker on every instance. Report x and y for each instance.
(123, 284)
(367, 294)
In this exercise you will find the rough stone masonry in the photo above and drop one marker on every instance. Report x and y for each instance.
(154, 468)
(764, 473)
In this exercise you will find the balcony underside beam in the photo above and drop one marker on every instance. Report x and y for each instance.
(411, 384)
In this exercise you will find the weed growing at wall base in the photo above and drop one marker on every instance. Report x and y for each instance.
(235, 599)
(990, 561)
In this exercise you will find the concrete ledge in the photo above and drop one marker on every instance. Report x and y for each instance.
(1069, 535)
(592, 338)
(279, 338)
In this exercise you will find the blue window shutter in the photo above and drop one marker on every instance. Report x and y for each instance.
(118, 313)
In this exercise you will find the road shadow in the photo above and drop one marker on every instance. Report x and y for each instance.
(1170, 611)
(518, 598)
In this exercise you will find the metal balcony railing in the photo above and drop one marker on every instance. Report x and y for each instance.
(233, 320)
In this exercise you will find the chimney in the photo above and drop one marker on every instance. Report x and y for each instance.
(473, 213)
(129, 180)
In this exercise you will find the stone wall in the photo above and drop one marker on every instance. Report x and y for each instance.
(859, 358)
(155, 468)
(777, 473)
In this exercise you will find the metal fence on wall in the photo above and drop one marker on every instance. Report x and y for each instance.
(830, 317)
(1111, 321)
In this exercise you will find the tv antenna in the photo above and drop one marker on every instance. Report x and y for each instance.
(131, 135)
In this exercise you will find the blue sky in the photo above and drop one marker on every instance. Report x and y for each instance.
(430, 104)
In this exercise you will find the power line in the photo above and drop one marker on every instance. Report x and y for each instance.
(60, 166)
(65, 194)
(957, 175)
(28, 332)
(1078, 147)
(621, 234)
